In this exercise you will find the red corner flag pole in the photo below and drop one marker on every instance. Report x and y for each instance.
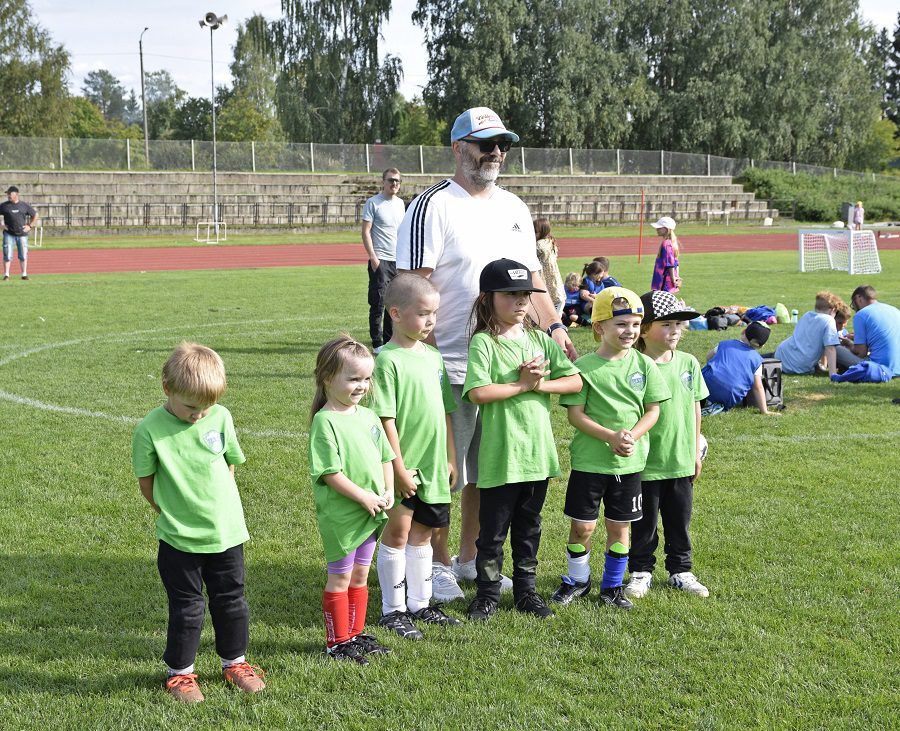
(641, 236)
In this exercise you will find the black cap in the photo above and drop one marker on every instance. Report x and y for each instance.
(757, 333)
(662, 305)
(12, 189)
(506, 275)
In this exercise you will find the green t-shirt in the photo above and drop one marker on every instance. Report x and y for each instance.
(200, 507)
(613, 394)
(673, 440)
(411, 386)
(353, 443)
(517, 443)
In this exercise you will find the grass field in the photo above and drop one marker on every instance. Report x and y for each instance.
(795, 532)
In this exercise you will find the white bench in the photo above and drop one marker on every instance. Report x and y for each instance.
(723, 213)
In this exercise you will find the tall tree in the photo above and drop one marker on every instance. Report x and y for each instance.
(106, 92)
(255, 65)
(163, 97)
(331, 86)
(34, 99)
(892, 95)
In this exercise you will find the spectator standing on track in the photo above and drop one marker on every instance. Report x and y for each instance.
(381, 218)
(18, 221)
(876, 329)
(449, 234)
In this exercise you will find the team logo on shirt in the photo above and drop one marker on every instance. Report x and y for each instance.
(440, 376)
(375, 432)
(687, 380)
(516, 228)
(214, 440)
(637, 381)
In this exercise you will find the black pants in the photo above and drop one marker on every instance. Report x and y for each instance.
(845, 358)
(183, 576)
(514, 509)
(380, 328)
(673, 500)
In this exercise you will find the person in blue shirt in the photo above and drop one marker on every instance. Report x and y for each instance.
(605, 278)
(876, 329)
(734, 370)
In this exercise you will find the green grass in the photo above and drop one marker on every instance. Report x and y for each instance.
(795, 533)
(351, 235)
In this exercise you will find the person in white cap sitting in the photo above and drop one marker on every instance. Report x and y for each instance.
(665, 270)
(450, 233)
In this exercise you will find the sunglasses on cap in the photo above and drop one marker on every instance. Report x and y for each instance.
(488, 145)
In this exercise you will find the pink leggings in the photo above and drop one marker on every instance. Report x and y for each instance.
(361, 555)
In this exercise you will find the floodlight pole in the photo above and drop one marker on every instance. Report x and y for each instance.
(144, 97)
(213, 99)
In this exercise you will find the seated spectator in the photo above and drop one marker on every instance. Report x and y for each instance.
(876, 329)
(815, 337)
(734, 370)
(845, 356)
(572, 309)
(606, 279)
(591, 286)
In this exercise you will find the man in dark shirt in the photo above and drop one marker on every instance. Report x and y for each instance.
(18, 220)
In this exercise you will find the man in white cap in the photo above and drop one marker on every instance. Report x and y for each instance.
(449, 234)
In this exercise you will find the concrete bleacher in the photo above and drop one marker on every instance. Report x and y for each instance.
(90, 201)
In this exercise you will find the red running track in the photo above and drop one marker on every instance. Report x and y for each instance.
(204, 256)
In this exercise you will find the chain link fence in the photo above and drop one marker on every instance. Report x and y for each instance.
(25, 153)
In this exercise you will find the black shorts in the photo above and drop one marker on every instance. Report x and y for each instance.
(621, 495)
(436, 515)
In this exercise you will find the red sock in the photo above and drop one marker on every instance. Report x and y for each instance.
(358, 597)
(335, 607)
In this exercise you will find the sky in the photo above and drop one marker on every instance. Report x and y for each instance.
(105, 34)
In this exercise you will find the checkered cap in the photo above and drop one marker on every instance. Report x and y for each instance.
(660, 305)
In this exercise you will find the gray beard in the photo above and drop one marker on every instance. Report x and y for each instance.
(477, 175)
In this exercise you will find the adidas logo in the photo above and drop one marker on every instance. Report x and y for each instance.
(516, 228)
(400, 585)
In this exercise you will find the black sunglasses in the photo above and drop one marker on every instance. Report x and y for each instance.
(393, 180)
(489, 144)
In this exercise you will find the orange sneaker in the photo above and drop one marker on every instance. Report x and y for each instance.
(185, 688)
(245, 676)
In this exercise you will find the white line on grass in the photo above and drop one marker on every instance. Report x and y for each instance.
(121, 338)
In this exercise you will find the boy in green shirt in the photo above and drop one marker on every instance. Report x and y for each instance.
(184, 454)
(413, 398)
(617, 405)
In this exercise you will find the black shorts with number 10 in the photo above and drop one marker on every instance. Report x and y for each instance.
(621, 496)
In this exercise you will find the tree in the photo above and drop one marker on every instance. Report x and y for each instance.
(241, 121)
(892, 93)
(876, 151)
(192, 120)
(254, 69)
(34, 98)
(163, 98)
(86, 120)
(331, 87)
(106, 92)
(416, 127)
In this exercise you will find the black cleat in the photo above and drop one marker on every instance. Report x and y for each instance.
(532, 603)
(434, 615)
(348, 650)
(370, 646)
(569, 590)
(401, 623)
(615, 597)
(481, 609)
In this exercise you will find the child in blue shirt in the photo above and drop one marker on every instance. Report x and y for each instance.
(734, 369)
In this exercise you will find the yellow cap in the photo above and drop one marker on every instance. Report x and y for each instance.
(603, 310)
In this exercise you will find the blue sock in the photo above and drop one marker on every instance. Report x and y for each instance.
(616, 560)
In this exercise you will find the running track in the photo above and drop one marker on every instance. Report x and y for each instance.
(202, 256)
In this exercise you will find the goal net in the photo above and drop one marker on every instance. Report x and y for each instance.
(854, 252)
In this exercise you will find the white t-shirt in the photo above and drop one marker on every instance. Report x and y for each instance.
(385, 215)
(447, 230)
(800, 352)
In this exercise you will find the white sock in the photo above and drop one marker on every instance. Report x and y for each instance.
(579, 568)
(418, 576)
(236, 661)
(391, 575)
(184, 671)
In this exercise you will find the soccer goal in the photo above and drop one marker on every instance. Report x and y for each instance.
(854, 252)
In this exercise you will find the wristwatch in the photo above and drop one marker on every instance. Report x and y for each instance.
(555, 326)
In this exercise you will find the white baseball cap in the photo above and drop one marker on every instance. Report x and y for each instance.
(481, 123)
(665, 222)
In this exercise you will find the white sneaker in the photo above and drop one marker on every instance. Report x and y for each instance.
(465, 571)
(686, 581)
(443, 584)
(639, 584)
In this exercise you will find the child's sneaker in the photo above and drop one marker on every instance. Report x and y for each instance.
(570, 590)
(467, 572)
(369, 645)
(245, 676)
(481, 609)
(434, 615)
(443, 584)
(184, 688)
(615, 597)
(686, 581)
(348, 650)
(401, 623)
(712, 408)
(639, 584)
(532, 603)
